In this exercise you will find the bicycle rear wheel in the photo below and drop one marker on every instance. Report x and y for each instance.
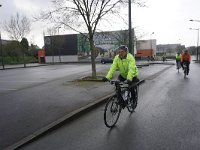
(178, 66)
(112, 111)
(132, 100)
(185, 72)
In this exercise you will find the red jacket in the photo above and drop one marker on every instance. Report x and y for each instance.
(185, 57)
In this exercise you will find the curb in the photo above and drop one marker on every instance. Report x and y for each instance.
(164, 63)
(20, 67)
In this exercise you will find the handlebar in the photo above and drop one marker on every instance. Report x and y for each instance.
(125, 82)
(117, 82)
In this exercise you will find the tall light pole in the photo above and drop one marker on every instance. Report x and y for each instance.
(197, 37)
(2, 61)
(197, 41)
(59, 43)
(151, 45)
(130, 30)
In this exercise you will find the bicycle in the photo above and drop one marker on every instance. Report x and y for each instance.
(178, 65)
(185, 69)
(120, 100)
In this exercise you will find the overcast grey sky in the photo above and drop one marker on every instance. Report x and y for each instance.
(168, 19)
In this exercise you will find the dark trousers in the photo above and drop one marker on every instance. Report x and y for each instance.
(187, 63)
(178, 61)
(134, 80)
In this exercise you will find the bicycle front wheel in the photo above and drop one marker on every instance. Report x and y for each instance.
(112, 111)
(132, 100)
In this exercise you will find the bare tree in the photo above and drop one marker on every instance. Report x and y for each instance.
(17, 27)
(84, 16)
(51, 31)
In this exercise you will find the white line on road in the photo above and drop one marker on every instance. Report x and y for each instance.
(7, 89)
(23, 81)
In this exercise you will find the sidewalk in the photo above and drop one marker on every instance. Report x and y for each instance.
(21, 66)
(72, 100)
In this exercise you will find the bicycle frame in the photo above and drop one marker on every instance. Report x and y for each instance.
(119, 91)
(117, 102)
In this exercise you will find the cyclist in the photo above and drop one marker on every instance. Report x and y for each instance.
(125, 63)
(178, 58)
(163, 57)
(186, 58)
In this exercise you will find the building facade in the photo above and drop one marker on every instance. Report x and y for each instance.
(169, 49)
(76, 47)
(146, 48)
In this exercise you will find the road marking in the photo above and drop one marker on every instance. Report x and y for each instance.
(22, 81)
(7, 89)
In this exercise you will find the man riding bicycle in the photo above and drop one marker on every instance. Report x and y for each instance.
(125, 63)
(186, 58)
(178, 59)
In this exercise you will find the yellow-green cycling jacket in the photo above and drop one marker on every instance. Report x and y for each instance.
(178, 56)
(127, 67)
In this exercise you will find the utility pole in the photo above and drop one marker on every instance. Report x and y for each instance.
(2, 61)
(197, 42)
(131, 48)
(59, 44)
(151, 45)
(197, 38)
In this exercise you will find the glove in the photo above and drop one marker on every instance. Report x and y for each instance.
(135, 79)
(104, 79)
(129, 82)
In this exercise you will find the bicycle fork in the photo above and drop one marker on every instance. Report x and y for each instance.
(121, 100)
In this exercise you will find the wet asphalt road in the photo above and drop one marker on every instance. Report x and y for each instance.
(167, 118)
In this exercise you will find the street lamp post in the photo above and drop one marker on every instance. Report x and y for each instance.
(197, 42)
(130, 30)
(197, 38)
(151, 46)
(59, 43)
(2, 61)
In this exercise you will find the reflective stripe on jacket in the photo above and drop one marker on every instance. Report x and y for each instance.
(127, 67)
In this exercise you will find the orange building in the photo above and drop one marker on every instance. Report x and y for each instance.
(41, 56)
(144, 53)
